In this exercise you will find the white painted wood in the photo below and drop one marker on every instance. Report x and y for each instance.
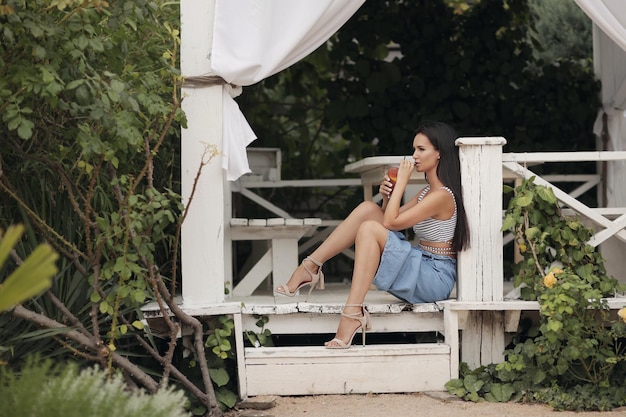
(617, 225)
(284, 260)
(241, 360)
(483, 338)
(237, 222)
(511, 320)
(542, 157)
(608, 212)
(282, 257)
(377, 369)
(303, 183)
(505, 305)
(264, 203)
(451, 335)
(203, 235)
(316, 323)
(264, 232)
(265, 164)
(480, 267)
(255, 276)
(566, 198)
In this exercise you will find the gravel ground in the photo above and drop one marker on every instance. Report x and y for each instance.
(437, 404)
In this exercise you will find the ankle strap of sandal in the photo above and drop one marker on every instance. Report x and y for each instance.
(308, 258)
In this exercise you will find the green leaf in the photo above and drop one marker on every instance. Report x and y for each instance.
(456, 387)
(472, 383)
(532, 232)
(32, 277)
(508, 224)
(226, 397)
(539, 377)
(104, 306)
(137, 324)
(219, 376)
(9, 240)
(25, 130)
(546, 194)
(524, 200)
(73, 84)
(502, 392)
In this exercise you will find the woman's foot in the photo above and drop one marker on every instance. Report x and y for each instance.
(307, 273)
(353, 318)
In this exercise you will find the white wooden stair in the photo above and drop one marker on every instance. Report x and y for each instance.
(313, 370)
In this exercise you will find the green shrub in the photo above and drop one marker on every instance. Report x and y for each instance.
(42, 389)
(576, 358)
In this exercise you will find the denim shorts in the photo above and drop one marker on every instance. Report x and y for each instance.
(413, 274)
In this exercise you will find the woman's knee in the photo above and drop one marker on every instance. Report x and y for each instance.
(368, 210)
(371, 229)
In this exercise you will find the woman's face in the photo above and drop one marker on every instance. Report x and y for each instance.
(425, 156)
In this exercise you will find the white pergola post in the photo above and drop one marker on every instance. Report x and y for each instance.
(480, 268)
(204, 257)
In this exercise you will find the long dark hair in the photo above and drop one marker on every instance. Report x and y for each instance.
(443, 136)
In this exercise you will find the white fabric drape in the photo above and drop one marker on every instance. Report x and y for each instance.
(254, 39)
(609, 19)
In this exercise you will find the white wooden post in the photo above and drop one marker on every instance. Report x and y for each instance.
(480, 268)
(203, 234)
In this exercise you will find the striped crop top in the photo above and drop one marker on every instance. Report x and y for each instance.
(433, 230)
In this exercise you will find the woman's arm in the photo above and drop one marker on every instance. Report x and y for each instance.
(436, 204)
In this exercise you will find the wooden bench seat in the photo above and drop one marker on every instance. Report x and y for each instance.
(281, 257)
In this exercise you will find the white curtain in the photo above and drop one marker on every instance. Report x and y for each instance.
(254, 39)
(609, 19)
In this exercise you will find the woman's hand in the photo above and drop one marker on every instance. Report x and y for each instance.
(406, 169)
(386, 186)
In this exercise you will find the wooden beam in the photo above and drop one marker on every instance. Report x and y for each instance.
(203, 233)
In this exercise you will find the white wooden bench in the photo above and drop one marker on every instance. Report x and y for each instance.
(314, 370)
(389, 367)
(281, 258)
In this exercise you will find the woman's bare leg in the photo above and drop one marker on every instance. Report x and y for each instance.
(370, 243)
(340, 239)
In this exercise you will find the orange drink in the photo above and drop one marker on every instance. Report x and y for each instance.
(393, 176)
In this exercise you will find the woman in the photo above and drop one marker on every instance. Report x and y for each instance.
(420, 274)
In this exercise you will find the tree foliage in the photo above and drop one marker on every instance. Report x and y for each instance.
(561, 31)
(396, 63)
(90, 102)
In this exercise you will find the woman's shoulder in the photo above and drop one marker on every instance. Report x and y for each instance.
(447, 189)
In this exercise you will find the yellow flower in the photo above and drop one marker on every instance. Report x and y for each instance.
(522, 247)
(549, 280)
(557, 271)
(622, 313)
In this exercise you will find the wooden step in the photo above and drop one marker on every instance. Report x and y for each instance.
(314, 370)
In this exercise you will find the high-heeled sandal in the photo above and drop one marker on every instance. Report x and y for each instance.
(317, 280)
(362, 317)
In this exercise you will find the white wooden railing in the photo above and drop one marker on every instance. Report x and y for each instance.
(480, 278)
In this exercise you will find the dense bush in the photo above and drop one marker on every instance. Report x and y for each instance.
(41, 389)
(575, 358)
